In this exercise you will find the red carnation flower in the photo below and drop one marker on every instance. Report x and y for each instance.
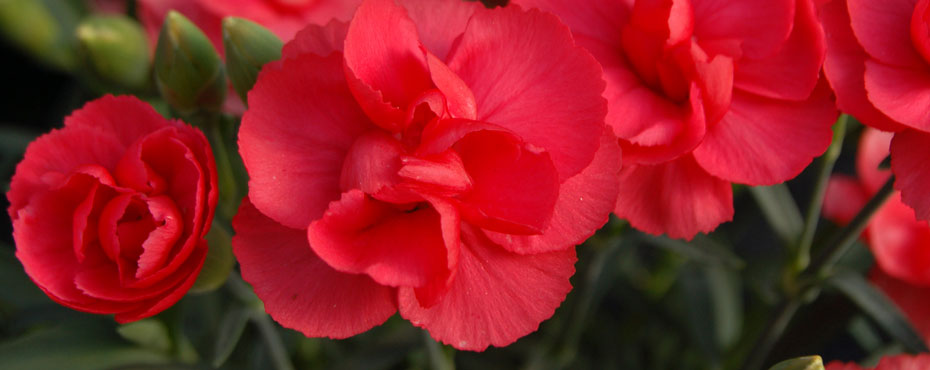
(878, 62)
(896, 237)
(701, 94)
(898, 240)
(897, 362)
(912, 299)
(110, 212)
(439, 159)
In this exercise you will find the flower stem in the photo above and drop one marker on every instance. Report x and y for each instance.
(840, 243)
(835, 248)
(811, 219)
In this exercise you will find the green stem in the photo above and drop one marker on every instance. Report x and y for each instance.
(224, 170)
(840, 243)
(835, 248)
(812, 218)
(773, 330)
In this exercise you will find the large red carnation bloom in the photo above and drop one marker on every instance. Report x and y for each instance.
(703, 93)
(878, 62)
(435, 158)
(897, 362)
(110, 212)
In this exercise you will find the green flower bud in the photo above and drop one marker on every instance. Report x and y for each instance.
(188, 71)
(248, 47)
(41, 28)
(219, 261)
(114, 50)
(800, 363)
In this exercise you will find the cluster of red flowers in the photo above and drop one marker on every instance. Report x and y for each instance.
(442, 160)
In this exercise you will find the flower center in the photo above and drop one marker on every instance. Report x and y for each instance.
(920, 28)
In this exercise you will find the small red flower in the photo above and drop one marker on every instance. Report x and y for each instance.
(702, 94)
(110, 212)
(899, 241)
(878, 62)
(897, 362)
(435, 158)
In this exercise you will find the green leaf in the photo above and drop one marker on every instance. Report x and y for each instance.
(800, 363)
(714, 312)
(19, 292)
(881, 309)
(230, 330)
(78, 345)
(780, 210)
(148, 333)
(219, 261)
(702, 249)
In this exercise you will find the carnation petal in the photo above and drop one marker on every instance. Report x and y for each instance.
(873, 150)
(515, 185)
(294, 150)
(584, 205)
(299, 290)
(677, 198)
(844, 67)
(883, 28)
(51, 157)
(899, 242)
(843, 200)
(396, 247)
(529, 77)
(913, 300)
(48, 257)
(761, 26)
(599, 20)
(440, 22)
(316, 39)
(496, 296)
(909, 152)
(901, 93)
(793, 71)
(384, 64)
(763, 141)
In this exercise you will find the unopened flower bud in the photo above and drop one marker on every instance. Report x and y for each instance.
(41, 29)
(800, 363)
(188, 71)
(248, 47)
(114, 50)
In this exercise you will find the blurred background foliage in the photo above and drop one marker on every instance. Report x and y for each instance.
(639, 301)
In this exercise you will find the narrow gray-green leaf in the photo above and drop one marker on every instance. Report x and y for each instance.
(702, 249)
(780, 210)
(230, 330)
(881, 309)
(76, 347)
